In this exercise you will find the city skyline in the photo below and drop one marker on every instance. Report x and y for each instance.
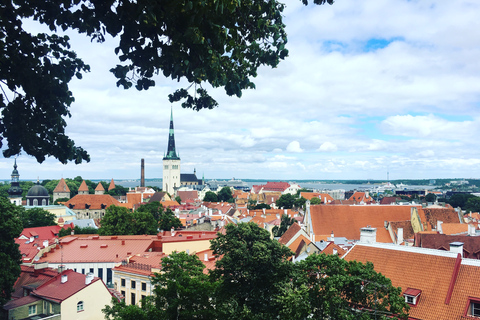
(368, 88)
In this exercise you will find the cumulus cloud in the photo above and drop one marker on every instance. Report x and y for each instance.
(328, 147)
(294, 146)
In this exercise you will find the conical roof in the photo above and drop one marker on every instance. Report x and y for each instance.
(99, 187)
(111, 186)
(171, 152)
(61, 186)
(83, 186)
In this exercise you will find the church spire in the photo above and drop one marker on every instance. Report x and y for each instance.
(171, 152)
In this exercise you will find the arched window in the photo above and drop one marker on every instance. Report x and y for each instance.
(35, 202)
(80, 306)
(44, 202)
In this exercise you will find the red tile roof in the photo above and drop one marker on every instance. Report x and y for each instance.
(99, 187)
(346, 221)
(111, 186)
(446, 215)
(61, 186)
(42, 233)
(290, 233)
(188, 195)
(454, 228)
(471, 245)
(329, 249)
(95, 201)
(321, 196)
(83, 186)
(31, 279)
(57, 291)
(361, 197)
(445, 291)
(276, 186)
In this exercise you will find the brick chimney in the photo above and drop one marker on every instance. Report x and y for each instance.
(368, 235)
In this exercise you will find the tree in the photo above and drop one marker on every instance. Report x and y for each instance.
(328, 287)
(10, 257)
(210, 196)
(431, 197)
(473, 204)
(459, 200)
(182, 290)
(222, 43)
(178, 199)
(225, 194)
(300, 202)
(252, 272)
(315, 201)
(285, 223)
(166, 219)
(61, 200)
(285, 201)
(120, 221)
(77, 230)
(36, 217)
(261, 206)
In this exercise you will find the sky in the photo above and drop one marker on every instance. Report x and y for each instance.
(370, 90)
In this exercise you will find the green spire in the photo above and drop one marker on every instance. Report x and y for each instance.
(171, 152)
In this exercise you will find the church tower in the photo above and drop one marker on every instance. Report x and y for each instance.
(15, 192)
(171, 163)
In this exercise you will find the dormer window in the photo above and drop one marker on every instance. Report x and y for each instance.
(473, 309)
(411, 296)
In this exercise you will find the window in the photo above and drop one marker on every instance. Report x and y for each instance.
(123, 293)
(134, 285)
(83, 271)
(32, 310)
(144, 286)
(91, 270)
(122, 281)
(109, 275)
(474, 309)
(132, 298)
(412, 295)
(35, 203)
(409, 299)
(44, 202)
(80, 306)
(100, 273)
(166, 167)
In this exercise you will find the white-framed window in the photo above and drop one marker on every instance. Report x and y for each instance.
(32, 310)
(80, 306)
(410, 299)
(166, 167)
(35, 202)
(44, 202)
(474, 309)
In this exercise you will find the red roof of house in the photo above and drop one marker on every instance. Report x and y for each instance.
(83, 186)
(346, 221)
(321, 196)
(61, 186)
(57, 291)
(290, 233)
(276, 186)
(446, 281)
(31, 279)
(329, 249)
(361, 197)
(188, 195)
(42, 233)
(95, 201)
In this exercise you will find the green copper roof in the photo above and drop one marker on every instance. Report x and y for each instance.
(171, 152)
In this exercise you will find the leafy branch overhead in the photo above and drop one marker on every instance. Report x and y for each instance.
(219, 42)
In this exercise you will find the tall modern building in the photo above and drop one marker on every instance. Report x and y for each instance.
(171, 163)
(15, 192)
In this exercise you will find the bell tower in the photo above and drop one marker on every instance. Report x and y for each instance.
(171, 163)
(15, 192)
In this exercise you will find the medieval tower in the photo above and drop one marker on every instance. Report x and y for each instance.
(171, 163)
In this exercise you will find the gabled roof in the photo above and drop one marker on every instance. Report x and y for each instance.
(94, 201)
(188, 177)
(361, 197)
(31, 278)
(290, 233)
(331, 247)
(99, 187)
(42, 233)
(446, 215)
(158, 196)
(276, 186)
(188, 195)
(83, 187)
(57, 291)
(321, 196)
(454, 228)
(346, 221)
(471, 245)
(446, 281)
(61, 186)
(408, 232)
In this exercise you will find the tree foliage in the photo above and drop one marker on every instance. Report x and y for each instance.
(166, 219)
(285, 201)
(10, 257)
(210, 196)
(473, 204)
(120, 221)
(77, 230)
(285, 223)
(328, 287)
(315, 201)
(253, 270)
(459, 200)
(221, 42)
(225, 194)
(36, 217)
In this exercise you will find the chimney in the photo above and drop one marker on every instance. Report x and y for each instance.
(325, 200)
(399, 235)
(285, 211)
(335, 251)
(263, 210)
(471, 229)
(439, 226)
(142, 174)
(64, 278)
(457, 247)
(123, 242)
(45, 243)
(32, 239)
(172, 231)
(368, 235)
(278, 216)
(332, 235)
(88, 278)
(205, 257)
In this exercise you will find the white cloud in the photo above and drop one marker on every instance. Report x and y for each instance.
(294, 146)
(328, 147)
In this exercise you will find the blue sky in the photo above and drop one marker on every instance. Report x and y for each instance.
(368, 87)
